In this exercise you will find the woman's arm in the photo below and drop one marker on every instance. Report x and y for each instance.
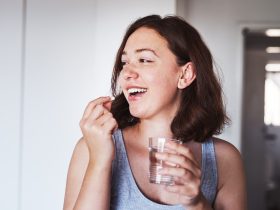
(231, 193)
(88, 181)
(76, 173)
(87, 185)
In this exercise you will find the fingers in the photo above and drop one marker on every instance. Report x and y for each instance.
(184, 187)
(98, 111)
(187, 185)
(182, 150)
(93, 104)
(189, 192)
(111, 124)
(186, 173)
(182, 175)
(104, 118)
(97, 116)
(107, 121)
(182, 156)
(108, 105)
(179, 160)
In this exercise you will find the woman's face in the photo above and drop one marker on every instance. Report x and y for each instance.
(150, 75)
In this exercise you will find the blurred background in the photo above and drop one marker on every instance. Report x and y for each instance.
(57, 55)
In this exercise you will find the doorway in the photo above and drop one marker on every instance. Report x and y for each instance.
(261, 118)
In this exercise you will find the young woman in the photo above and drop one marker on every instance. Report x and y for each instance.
(164, 85)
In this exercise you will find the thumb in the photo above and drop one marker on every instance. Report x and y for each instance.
(107, 105)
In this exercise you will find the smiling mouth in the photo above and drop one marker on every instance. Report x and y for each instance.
(136, 91)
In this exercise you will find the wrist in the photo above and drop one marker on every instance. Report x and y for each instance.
(101, 159)
(99, 165)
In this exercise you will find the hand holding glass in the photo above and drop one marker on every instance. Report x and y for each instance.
(157, 144)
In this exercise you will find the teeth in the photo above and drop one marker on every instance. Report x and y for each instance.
(137, 90)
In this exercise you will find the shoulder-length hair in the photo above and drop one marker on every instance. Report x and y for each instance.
(201, 113)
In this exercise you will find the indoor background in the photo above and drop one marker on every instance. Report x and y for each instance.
(57, 55)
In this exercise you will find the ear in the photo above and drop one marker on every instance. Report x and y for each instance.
(187, 75)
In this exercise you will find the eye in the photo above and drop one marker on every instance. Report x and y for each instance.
(143, 60)
(123, 63)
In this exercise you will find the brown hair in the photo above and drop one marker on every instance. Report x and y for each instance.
(201, 113)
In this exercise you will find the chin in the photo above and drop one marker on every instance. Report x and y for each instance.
(138, 113)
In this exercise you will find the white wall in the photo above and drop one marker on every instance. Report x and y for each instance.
(220, 23)
(56, 56)
(10, 101)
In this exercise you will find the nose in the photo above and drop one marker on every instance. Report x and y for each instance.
(129, 72)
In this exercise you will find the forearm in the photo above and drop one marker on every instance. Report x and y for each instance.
(95, 190)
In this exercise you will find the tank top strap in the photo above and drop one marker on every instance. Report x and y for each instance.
(209, 170)
(120, 151)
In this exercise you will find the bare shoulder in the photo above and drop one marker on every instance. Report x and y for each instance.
(231, 182)
(228, 158)
(225, 151)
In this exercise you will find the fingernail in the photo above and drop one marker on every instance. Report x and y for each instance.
(112, 98)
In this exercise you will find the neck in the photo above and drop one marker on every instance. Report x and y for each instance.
(149, 128)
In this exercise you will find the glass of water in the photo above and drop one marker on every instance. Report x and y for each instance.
(157, 144)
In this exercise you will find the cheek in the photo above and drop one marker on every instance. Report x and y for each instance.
(120, 81)
(168, 75)
(165, 89)
(165, 81)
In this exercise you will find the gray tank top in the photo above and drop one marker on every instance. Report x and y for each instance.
(125, 194)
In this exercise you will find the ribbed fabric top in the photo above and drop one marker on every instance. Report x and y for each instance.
(125, 194)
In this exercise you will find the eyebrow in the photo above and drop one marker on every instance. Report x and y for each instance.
(141, 50)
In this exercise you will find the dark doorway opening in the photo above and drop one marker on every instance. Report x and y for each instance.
(261, 119)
